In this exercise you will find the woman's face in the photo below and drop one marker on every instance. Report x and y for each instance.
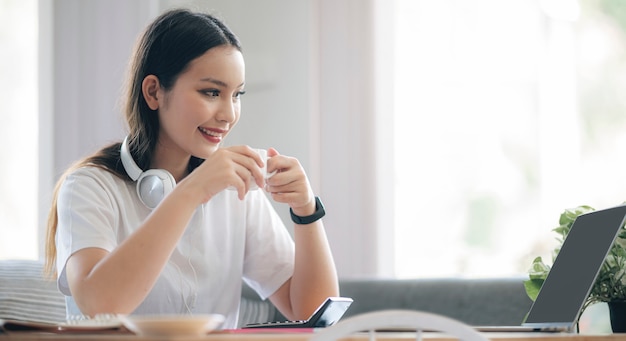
(203, 105)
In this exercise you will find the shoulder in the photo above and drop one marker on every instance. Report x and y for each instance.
(92, 182)
(94, 173)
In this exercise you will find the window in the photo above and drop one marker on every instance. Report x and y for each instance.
(506, 114)
(18, 131)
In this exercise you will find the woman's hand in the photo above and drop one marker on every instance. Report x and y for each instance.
(228, 167)
(290, 184)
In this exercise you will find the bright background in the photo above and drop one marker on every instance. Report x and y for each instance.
(501, 115)
(507, 112)
(445, 136)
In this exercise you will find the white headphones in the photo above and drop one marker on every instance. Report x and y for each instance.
(152, 185)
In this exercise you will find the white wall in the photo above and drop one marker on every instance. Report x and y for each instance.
(310, 94)
(354, 143)
(84, 46)
(92, 44)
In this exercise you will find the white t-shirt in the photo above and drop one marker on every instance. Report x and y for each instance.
(227, 240)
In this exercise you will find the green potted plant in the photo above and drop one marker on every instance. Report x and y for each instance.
(610, 286)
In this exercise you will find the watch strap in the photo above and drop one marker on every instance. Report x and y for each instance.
(317, 215)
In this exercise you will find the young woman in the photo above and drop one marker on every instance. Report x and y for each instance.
(166, 222)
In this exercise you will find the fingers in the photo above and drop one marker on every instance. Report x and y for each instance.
(249, 154)
(272, 152)
(294, 199)
(286, 172)
(283, 182)
(290, 184)
(253, 163)
(242, 178)
(227, 168)
(241, 168)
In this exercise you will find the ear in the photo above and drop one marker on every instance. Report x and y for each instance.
(150, 88)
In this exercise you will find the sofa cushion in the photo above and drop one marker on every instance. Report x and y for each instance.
(253, 310)
(493, 301)
(26, 295)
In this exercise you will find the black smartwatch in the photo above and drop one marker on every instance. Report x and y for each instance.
(317, 215)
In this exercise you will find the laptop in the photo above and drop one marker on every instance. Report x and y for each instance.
(573, 274)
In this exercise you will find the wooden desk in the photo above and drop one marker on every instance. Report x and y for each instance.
(37, 336)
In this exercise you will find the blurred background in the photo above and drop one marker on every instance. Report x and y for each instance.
(445, 137)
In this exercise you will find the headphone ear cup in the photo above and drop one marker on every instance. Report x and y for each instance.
(153, 185)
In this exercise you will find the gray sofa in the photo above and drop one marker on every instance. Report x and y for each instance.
(495, 301)
(25, 295)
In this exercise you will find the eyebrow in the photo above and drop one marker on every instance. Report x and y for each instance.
(218, 82)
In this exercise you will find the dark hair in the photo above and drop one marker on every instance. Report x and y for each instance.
(165, 49)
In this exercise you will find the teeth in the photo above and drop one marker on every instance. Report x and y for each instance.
(208, 132)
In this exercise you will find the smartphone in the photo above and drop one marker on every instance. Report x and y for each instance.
(326, 315)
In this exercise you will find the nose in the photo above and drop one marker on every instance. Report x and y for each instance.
(228, 111)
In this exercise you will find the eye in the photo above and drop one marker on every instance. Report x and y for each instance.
(239, 94)
(211, 92)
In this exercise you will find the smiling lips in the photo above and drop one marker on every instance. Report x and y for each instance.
(212, 135)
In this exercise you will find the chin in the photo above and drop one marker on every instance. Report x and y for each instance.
(205, 152)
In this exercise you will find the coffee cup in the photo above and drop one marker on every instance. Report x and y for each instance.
(263, 154)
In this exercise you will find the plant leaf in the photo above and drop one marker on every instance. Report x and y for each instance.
(532, 287)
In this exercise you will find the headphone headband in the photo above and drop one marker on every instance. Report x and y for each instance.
(127, 160)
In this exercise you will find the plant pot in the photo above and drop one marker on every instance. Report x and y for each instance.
(617, 313)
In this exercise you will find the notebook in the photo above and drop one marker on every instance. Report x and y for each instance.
(573, 274)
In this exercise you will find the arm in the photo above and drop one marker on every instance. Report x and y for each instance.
(315, 277)
(117, 282)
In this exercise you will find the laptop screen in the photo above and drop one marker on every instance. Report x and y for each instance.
(576, 267)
